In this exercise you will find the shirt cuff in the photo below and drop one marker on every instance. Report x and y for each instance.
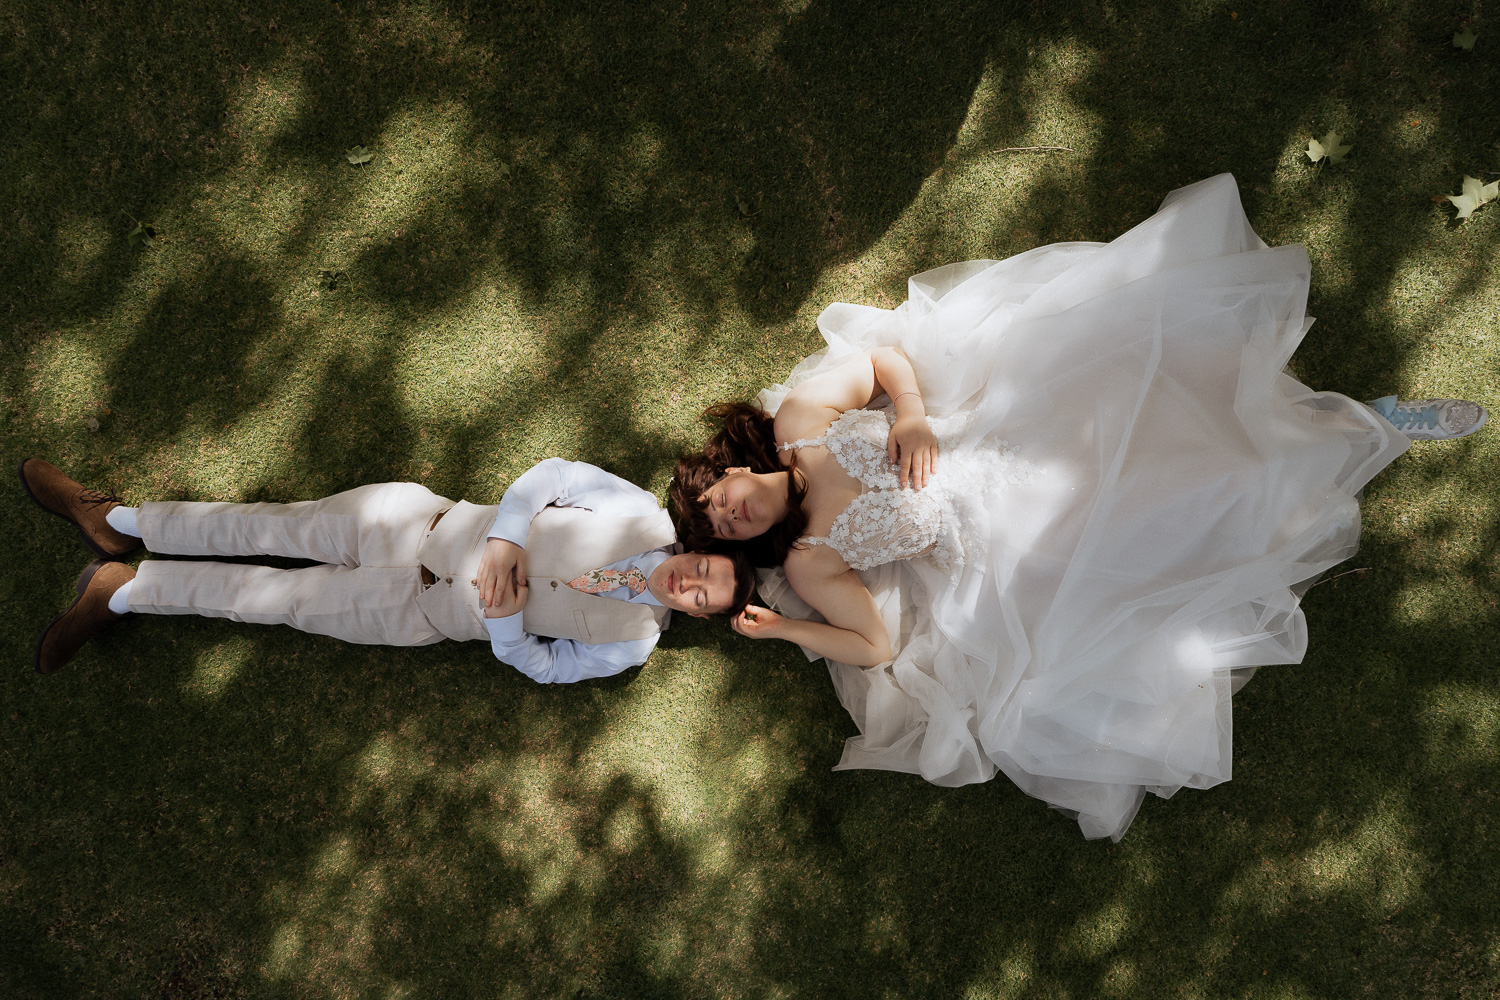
(508, 629)
(512, 527)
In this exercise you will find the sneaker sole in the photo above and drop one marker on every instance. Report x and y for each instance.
(83, 536)
(80, 586)
(1484, 416)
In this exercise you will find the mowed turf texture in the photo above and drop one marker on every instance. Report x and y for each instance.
(580, 224)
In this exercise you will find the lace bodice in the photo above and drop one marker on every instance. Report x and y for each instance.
(886, 523)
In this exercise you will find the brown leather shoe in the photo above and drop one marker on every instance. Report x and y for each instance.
(85, 618)
(54, 491)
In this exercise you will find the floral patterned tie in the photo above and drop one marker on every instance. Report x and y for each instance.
(602, 581)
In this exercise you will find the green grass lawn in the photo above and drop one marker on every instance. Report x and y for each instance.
(582, 222)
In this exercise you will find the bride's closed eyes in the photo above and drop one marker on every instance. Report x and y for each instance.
(728, 526)
(718, 501)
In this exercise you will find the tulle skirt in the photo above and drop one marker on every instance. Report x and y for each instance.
(1186, 492)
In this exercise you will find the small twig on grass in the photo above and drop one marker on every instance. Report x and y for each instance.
(1361, 569)
(1032, 149)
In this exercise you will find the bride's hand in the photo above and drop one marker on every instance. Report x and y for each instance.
(757, 623)
(914, 447)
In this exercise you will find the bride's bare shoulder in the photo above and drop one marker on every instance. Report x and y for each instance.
(801, 418)
(816, 402)
(810, 564)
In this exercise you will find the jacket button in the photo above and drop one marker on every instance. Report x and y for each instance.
(554, 584)
(450, 580)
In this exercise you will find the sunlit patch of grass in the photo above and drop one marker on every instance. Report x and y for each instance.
(1011, 977)
(286, 947)
(1120, 978)
(1375, 867)
(67, 382)
(694, 250)
(1451, 601)
(1096, 935)
(669, 945)
(333, 923)
(1433, 296)
(992, 192)
(759, 43)
(266, 105)
(391, 769)
(533, 819)
(657, 778)
(634, 172)
(223, 460)
(1215, 948)
(424, 151)
(707, 794)
(1461, 727)
(1415, 126)
(216, 669)
(1323, 227)
(1059, 119)
(332, 945)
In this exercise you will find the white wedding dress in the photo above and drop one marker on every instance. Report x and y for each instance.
(1131, 497)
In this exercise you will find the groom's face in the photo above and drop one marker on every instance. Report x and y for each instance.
(694, 582)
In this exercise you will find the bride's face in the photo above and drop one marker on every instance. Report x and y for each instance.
(740, 505)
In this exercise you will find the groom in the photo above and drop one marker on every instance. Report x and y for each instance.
(573, 575)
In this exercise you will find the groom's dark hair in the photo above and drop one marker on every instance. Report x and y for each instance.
(744, 582)
(747, 437)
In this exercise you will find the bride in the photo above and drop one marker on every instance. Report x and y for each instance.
(1048, 515)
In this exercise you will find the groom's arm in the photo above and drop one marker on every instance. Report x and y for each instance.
(559, 482)
(553, 481)
(556, 481)
(562, 661)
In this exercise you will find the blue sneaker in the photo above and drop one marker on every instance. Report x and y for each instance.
(1431, 419)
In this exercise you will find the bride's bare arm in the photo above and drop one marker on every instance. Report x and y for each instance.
(854, 632)
(815, 403)
(812, 406)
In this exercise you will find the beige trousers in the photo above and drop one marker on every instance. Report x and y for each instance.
(366, 538)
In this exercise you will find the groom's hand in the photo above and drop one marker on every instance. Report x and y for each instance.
(502, 572)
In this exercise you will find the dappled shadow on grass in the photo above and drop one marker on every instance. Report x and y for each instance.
(630, 137)
(226, 328)
(362, 819)
(200, 808)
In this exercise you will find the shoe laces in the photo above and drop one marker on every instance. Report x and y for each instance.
(1412, 417)
(95, 498)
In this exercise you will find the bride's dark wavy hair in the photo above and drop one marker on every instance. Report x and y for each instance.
(746, 437)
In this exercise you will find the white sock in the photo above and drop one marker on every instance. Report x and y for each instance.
(119, 601)
(122, 519)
